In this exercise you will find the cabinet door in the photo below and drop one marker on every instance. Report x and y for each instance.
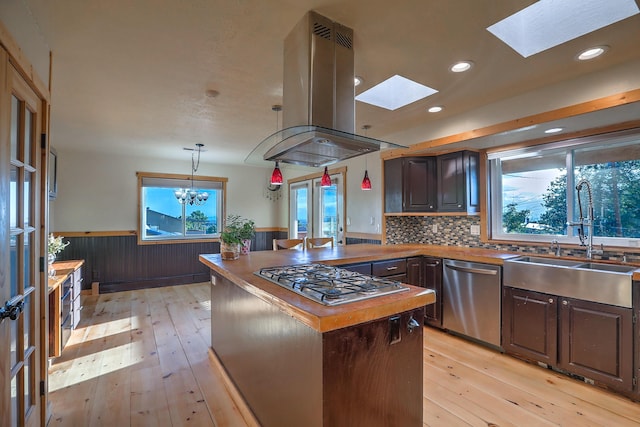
(530, 324)
(414, 271)
(393, 185)
(458, 189)
(451, 182)
(597, 342)
(419, 184)
(432, 274)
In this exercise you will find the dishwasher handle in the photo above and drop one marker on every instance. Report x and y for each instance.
(472, 270)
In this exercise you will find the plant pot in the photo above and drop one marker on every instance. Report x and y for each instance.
(246, 247)
(50, 259)
(229, 251)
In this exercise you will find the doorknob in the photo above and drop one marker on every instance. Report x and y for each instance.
(12, 308)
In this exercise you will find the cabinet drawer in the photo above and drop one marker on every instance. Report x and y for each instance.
(389, 268)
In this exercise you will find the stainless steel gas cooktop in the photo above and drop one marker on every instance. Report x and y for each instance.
(329, 285)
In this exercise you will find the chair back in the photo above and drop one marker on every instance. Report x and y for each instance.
(319, 242)
(287, 244)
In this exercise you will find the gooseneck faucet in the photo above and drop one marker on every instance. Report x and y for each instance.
(588, 221)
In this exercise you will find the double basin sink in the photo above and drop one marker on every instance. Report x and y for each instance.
(590, 281)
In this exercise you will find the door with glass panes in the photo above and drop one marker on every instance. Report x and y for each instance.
(20, 234)
(316, 211)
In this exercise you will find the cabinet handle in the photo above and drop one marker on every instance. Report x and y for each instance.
(565, 302)
(550, 300)
(392, 268)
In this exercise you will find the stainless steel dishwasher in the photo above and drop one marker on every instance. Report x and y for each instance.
(471, 300)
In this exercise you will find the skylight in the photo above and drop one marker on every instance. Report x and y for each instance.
(548, 23)
(395, 92)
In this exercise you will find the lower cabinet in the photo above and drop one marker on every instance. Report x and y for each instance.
(64, 305)
(426, 272)
(589, 339)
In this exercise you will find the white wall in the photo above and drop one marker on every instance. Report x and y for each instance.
(17, 18)
(99, 192)
(362, 206)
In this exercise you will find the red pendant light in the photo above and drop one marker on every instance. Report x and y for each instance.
(366, 182)
(326, 179)
(276, 176)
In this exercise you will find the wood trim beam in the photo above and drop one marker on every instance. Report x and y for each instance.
(535, 119)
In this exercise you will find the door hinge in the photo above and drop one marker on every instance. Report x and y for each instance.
(43, 140)
(42, 388)
(41, 264)
(634, 318)
(634, 381)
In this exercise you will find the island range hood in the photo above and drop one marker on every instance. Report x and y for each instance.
(319, 98)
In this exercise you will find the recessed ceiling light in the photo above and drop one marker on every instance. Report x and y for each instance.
(554, 130)
(592, 52)
(548, 23)
(395, 92)
(357, 80)
(462, 66)
(435, 109)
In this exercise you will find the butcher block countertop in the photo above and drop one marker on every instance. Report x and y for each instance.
(326, 318)
(63, 270)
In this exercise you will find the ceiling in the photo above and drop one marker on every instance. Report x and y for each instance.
(131, 76)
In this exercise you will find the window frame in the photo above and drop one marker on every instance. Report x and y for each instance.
(494, 187)
(187, 182)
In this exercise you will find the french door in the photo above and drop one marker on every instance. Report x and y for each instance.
(20, 236)
(317, 211)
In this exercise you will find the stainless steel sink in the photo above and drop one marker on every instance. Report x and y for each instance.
(608, 267)
(597, 282)
(548, 261)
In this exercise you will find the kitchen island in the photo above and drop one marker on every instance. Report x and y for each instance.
(298, 362)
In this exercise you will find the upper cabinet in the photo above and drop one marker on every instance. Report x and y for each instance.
(458, 182)
(446, 183)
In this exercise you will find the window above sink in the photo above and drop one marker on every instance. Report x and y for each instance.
(534, 197)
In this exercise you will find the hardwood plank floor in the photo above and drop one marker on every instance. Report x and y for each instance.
(141, 358)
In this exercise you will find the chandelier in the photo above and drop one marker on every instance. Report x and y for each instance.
(190, 195)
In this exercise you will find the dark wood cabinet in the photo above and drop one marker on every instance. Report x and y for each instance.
(596, 342)
(589, 339)
(457, 178)
(362, 268)
(426, 272)
(530, 325)
(393, 269)
(445, 183)
(410, 184)
(432, 277)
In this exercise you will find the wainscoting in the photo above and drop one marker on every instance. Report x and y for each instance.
(118, 263)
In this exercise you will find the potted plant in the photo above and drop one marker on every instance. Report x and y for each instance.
(55, 245)
(247, 231)
(235, 231)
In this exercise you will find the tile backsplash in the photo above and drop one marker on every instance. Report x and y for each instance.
(456, 231)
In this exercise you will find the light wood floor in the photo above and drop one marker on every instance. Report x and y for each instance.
(141, 358)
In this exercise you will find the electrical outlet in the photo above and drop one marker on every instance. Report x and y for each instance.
(434, 228)
(475, 230)
(372, 221)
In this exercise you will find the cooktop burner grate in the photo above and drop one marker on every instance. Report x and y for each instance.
(329, 285)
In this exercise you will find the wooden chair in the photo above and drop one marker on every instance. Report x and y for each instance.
(319, 242)
(287, 244)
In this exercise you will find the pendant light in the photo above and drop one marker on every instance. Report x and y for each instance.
(366, 182)
(276, 175)
(325, 182)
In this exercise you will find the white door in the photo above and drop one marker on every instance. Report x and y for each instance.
(300, 210)
(327, 209)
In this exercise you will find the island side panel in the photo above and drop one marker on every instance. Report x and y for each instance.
(370, 381)
(274, 360)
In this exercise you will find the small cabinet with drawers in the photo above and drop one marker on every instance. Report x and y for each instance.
(65, 304)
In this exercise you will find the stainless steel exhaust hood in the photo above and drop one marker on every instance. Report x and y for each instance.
(319, 98)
